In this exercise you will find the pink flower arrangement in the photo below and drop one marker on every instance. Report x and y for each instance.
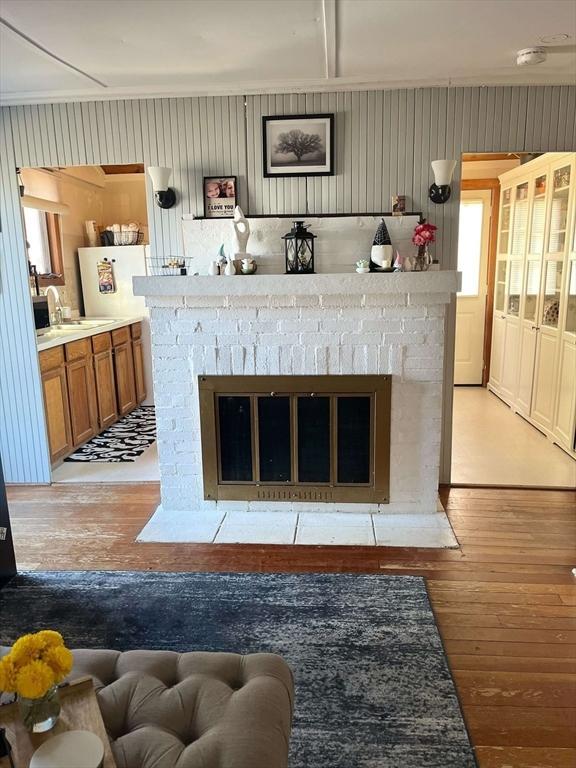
(423, 234)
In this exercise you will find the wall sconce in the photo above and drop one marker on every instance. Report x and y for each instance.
(443, 170)
(164, 195)
(20, 182)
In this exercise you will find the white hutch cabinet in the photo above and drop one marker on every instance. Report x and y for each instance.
(533, 358)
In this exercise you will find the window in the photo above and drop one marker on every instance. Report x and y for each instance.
(44, 245)
(470, 245)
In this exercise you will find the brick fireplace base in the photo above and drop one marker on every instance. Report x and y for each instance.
(300, 325)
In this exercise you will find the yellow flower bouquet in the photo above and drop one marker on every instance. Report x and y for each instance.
(33, 669)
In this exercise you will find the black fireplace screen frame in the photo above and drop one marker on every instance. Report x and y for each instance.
(376, 387)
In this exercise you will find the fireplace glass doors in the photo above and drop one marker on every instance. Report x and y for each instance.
(301, 438)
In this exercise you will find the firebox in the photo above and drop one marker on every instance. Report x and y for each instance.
(296, 438)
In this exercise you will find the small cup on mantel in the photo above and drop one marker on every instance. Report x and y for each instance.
(248, 266)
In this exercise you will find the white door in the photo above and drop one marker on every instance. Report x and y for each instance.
(473, 239)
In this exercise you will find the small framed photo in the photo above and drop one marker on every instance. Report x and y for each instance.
(298, 145)
(219, 197)
(398, 205)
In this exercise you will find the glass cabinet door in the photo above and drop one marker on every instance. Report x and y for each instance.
(520, 219)
(500, 287)
(571, 299)
(538, 217)
(514, 287)
(504, 226)
(552, 288)
(532, 289)
(559, 209)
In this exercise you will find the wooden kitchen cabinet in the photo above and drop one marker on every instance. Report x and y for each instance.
(124, 370)
(138, 354)
(104, 379)
(81, 390)
(55, 392)
(88, 384)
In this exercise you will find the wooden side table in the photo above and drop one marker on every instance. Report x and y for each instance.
(79, 712)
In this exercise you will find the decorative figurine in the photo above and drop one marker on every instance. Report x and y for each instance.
(381, 253)
(230, 268)
(241, 232)
(222, 259)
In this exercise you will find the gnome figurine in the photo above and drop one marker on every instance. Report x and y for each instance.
(382, 252)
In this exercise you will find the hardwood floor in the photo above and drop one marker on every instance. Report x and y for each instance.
(505, 601)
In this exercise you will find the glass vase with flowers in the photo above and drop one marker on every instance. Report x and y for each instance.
(422, 237)
(32, 669)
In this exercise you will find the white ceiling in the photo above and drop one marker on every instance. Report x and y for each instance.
(63, 49)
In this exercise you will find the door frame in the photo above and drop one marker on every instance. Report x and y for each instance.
(493, 186)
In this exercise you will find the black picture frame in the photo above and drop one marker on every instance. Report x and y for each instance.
(271, 122)
(210, 214)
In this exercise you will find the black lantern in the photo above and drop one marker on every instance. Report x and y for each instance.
(299, 250)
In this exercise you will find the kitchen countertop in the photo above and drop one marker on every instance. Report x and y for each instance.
(75, 332)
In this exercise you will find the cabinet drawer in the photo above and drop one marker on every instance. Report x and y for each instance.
(136, 329)
(101, 342)
(77, 349)
(51, 358)
(121, 335)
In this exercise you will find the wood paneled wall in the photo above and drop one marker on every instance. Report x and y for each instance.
(385, 141)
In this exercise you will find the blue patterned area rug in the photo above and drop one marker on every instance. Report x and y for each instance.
(373, 689)
(125, 440)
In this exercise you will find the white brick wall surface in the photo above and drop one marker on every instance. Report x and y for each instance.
(400, 334)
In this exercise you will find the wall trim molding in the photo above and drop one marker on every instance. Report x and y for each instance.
(326, 85)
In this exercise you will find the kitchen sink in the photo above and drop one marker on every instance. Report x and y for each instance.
(75, 324)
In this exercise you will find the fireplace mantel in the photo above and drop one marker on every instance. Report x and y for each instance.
(394, 283)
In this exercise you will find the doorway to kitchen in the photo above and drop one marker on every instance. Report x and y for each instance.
(514, 416)
(87, 236)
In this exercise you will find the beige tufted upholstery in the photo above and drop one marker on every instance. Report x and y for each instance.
(192, 710)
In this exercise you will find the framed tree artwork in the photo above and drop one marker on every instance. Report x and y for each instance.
(298, 145)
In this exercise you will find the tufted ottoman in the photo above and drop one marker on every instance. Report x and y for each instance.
(192, 710)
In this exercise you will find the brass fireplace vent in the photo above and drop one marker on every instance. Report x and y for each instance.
(296, 438)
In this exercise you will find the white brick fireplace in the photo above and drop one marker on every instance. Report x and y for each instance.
(300, 325)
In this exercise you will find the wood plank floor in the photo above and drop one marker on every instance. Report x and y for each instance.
(505, 601)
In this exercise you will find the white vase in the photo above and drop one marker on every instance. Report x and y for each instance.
(230, 269)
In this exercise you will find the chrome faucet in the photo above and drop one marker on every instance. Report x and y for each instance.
(56, 315)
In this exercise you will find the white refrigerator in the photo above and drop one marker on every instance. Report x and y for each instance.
(126, 261)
